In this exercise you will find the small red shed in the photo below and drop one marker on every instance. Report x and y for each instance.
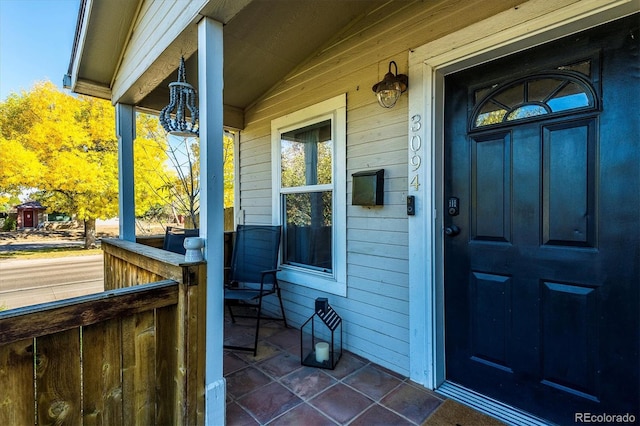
(30, 214)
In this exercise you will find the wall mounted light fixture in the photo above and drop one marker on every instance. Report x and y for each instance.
(182, 95)
(391, 87)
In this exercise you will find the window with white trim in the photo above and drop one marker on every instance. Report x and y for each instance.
(308, 158)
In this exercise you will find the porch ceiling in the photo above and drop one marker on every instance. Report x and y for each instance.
(263, 42)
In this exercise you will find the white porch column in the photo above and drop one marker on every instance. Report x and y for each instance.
(126, 132)
(210, 85)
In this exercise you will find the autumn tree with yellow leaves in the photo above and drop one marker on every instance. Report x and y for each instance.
(65, 148)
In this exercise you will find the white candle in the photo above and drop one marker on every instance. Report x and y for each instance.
(322, 351)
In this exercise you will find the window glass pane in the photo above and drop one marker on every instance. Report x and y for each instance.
(581, 67)
(543, 96)
(306, 155)
(539, 90)
(307, 230)
(512, 96)
(490, 113)
(526, 111)
(570, 97)
(480, 94)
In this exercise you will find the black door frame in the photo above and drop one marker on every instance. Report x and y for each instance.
(428, 66)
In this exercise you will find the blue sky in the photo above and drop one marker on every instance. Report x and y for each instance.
(36, 37)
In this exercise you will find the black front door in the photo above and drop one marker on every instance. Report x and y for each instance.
(542, 218)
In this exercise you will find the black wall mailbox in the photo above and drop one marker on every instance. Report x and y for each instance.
(368, 188)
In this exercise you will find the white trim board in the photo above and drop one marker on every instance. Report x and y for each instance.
(334, 109)
(530, 24)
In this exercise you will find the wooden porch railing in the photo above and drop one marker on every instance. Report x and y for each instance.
(133, 354)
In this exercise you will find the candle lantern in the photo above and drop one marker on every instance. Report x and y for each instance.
(321, 337)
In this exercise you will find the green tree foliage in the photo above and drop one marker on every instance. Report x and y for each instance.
(9, 224)
(65, 148)
(304, 164)
(7, 202)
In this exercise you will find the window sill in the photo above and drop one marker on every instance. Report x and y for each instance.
(314, 280)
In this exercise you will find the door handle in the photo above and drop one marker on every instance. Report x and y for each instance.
(452, 231)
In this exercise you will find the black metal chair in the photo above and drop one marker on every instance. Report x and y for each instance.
(252, 274)
(174, 238)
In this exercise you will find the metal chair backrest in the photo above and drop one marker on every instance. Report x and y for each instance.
(255, 250)
(174, 238)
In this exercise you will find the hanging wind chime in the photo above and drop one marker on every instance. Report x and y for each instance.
(182, 97)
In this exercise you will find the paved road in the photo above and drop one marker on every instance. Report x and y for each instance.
(27, 282)
(35, 245)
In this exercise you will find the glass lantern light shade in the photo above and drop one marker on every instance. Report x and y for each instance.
(182, 97)
(321, 337)
(391, 87)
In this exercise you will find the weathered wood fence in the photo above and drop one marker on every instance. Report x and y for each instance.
(133, 354)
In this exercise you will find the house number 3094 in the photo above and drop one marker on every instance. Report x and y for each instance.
(415, 143)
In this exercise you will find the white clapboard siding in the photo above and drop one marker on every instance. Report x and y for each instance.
(375, 223)
(372, 160)
(390, 238)
(391, 296)
(157, 25)
(393, 356)
(375, 311)
(387, 211)
(384, 281)
(379, 248)
(380, 300)
(384, 278)
(261, 181)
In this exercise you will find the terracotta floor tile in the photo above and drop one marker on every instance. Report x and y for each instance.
(274, 388)
(295, 350)
(308, 382)
(347, 364)
(246, 380)
(372, 381)
(341, 403)
(285, 338)
(269, 402)
(237, 416)
(239, 335)
(303, 414)
(268, 328)
(392, 373)
(265, 351)
(412, 402)
(232, 363)
(280, 365)
(377, 415)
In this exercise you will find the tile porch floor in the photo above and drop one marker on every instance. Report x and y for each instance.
(273, 388)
